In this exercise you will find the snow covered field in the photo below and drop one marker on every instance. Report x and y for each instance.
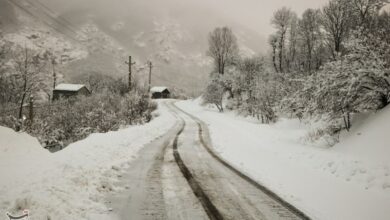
(69, 184)
(348, 181)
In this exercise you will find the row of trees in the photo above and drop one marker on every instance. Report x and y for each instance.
(305, 44)
(328, 63)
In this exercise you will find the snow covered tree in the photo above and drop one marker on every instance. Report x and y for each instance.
(282, 22)
(223, 48)
(365, 11)
(214, 93)
(337, 21)
(273, 42)
(28, 74)
(6, 84)
(292, 63)
(355, 83)
(311, 37)
(248, 74)
(378, 35)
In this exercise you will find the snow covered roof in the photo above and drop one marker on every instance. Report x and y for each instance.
(69, 87)
(158, 89)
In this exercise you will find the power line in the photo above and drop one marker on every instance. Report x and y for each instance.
(39, 19)
(50, 13)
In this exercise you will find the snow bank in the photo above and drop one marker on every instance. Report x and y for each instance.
(348, 181)
(369, 139)
(69, 184)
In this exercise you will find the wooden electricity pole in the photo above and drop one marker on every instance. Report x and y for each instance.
(53, 63)
(130, 64)
(150, 75)
(31, 111)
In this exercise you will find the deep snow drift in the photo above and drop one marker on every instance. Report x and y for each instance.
(69, 184)
(348, 181)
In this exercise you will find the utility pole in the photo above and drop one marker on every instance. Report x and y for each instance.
(150, 75)
(31, 111)
(53, 63)
(130, 64)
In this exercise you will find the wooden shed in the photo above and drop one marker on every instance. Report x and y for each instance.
(69, 90)
(160, 92)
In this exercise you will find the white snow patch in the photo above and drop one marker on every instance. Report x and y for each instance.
(70, 184)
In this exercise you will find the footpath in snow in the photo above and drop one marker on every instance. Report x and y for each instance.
(72, 183)
(348, 181)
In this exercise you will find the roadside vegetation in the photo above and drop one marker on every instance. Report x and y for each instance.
(327, 65)
(27, 80)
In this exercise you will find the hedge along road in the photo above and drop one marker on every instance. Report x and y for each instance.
(179, 176)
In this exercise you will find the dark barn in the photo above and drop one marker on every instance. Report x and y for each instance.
(160, 92)
(69, 90)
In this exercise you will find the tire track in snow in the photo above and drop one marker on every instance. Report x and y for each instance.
(212, 212)
(257, 185)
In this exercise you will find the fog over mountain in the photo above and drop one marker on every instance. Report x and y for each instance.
(170, 33)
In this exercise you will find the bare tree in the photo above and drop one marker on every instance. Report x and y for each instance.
(281, 21)
(4, 82)
(292, 50)
(27, 71)
(223, 48)
(309, 29)
(337, 21)
(273, 41)
(366, 10)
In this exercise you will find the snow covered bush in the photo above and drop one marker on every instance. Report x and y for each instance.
(355, 83)
(24, 75)
(214, 93)
(65, 121)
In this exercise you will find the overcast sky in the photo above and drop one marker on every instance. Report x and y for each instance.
(258, 13)
(255, 14)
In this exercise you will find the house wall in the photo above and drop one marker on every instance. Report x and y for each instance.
(161, 95)
(84, 91)
(63, 94)
(66, 94)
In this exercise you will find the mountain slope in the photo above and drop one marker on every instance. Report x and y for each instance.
(172, 35)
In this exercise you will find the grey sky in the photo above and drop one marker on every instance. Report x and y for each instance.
(258, 13)
(255, 14)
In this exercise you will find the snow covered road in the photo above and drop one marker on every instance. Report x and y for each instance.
(234, 195)
(176, 177)
(154, 186)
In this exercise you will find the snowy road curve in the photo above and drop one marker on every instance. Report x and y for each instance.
(179, 177)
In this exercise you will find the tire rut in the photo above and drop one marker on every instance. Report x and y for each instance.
(205, 143)
(212, 212)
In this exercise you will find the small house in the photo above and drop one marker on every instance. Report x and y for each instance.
(160, 92)
(69, 90)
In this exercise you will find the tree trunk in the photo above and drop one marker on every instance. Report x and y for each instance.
(281, 44)
(20, 115)
(274, 59)
(347, 120)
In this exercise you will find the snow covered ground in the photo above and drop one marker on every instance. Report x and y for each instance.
(69, 184)
(348, 181)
